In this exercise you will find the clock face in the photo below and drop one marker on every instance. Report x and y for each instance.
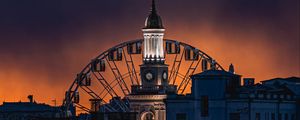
(149, 76)
(164, 75)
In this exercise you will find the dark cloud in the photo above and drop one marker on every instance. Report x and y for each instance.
(56, 38)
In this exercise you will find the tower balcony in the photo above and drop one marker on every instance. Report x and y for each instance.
(155, 89)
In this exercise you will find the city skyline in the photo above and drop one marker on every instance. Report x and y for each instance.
(45, 45)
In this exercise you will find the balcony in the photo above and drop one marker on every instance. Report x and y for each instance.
(157, 89)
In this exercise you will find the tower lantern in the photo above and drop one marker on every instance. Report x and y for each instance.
(153, 37)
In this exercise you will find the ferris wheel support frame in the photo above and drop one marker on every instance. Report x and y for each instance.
(132, 74)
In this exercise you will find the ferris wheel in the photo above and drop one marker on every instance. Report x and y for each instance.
(115, 74)
(138, 75)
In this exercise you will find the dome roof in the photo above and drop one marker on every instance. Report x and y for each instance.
(153, 21)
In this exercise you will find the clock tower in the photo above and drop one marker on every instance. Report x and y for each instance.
(154, 71)
(147, 99)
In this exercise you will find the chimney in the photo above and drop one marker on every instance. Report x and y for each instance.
(30, 97)
(248, 81)
(231, 69)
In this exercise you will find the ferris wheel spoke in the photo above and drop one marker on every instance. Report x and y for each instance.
(218, 66)
(186, 80)
(176, 67)
(69, 96)
(90, 92)
(180, 75)
(111, 85)
(116, 72)
(95, 96)
(125, 107)
(114, 86)
(172, 71)
(104, 83)
(114, 108)
(120, 80)
(130, 68)
(82, 107)
(103, 93)
(105, 105)
(134, 73)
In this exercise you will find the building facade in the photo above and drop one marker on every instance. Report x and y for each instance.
(219, 95)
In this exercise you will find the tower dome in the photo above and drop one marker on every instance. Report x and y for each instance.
(153, 21)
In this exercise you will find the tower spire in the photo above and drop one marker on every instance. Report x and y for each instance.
(153, 37)
(153, 9)
(153, 21)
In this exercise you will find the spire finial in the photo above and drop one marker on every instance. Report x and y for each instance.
(153, 21)
(153, 9)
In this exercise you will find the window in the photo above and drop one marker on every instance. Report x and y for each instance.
(257, 116)
(273, 116)
(286, 116)
(267, 117)
(181, 116)
(204, 106)
(279, 116)
(148, 116)
(234, 116)
(293, 117)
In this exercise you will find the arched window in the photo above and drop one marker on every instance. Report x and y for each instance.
(147, 116)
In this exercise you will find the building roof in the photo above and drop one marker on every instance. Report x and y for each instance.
(294, 88)
(214, 73)
(26, 107)
(289, 79)
(274, 86)
(291, 83)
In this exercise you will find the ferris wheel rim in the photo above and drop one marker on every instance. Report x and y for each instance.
(141, 40)
(104, 54)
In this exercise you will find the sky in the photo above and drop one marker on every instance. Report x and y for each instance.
(45, 43)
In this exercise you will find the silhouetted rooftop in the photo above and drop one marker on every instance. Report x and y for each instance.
(25, 107)
(289, 79)
(214, 73)
(274, 86)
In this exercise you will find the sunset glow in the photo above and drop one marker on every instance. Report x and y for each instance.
(43, 58)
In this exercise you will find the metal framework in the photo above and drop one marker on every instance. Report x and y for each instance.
(110, 75)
